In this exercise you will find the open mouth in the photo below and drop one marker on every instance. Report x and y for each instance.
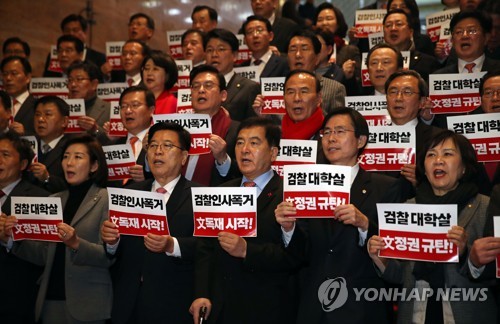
(438, 173)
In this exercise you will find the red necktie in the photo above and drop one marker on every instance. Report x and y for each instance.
(133, 140)
(161, 190)
(257, 62)
(130, 82)
(249, 184)
(469, 67)
(2, 193)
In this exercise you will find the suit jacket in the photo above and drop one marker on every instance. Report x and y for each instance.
(335, 252)
(141, 160)
(87, 278)
(19, 286)
(161, 286)
(473, 219)
(276, 67)
(100, 111)
(52, 161)
(424, 64)
(488, 65)
(254, 289)
(26, 115)
(241, 93)
(333, 94)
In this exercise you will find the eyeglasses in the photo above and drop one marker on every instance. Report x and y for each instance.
(212, 50)
(133, 106)
(163, 147)
(295, 49)
(206, 85)
(489, 93)
(407, 93)
(397, 24)
(77, 80)
(468, 30)
(337, 131)
(257, 31)
(66, 50)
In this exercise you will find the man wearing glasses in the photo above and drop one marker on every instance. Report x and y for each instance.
(399, 34)
(406, 94)
(470, 34)
(69, 50)
(153, 281)
(258, 36)
(208, 94)
(137, 105)
(83, 79)
(221, 52)
(344, 136)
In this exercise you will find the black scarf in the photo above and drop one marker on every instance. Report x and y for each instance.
(432, 272)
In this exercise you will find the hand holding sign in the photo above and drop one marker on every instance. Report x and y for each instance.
(282, 213)
(484, 251)
(458, 236)
(39, 171)
(3, 235)
(233, 244)
(110, 232)
(409, 172)
(350, 215)
(8, 224)
(374, 246)
(159, 243)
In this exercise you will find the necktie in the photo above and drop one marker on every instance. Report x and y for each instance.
(46, 148)
(161, 190)
(469, 67)
(15, 103)
(257, 62)
(2, 193)
(130, 81)
(249, 184)
(133, 140)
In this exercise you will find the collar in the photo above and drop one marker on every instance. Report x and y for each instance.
(354, 172)
(22, 97)
(412, 123)
(137, 78)
(377, 93)
(52, 143)
(229, 76)
(8, 188)
(272, 18)
(265, 58)
(169, 187)
(140, 135)
(479, 64)
(261, 181)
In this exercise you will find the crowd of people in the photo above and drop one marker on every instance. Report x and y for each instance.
(96, 274)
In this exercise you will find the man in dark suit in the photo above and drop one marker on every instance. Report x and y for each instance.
(16, 73)
(51, 120)
(208, 92)
(282, 27)
(133, 53)
(69, 50)
(337, 246)
(76, 25)
(153, 276)
(20, 277)
(258, 35)
(221, 52)
(204, 18)
(399, 33)
(137, 105)
(83, 79)
(470, 32)
(246, 280)
(406, 93)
